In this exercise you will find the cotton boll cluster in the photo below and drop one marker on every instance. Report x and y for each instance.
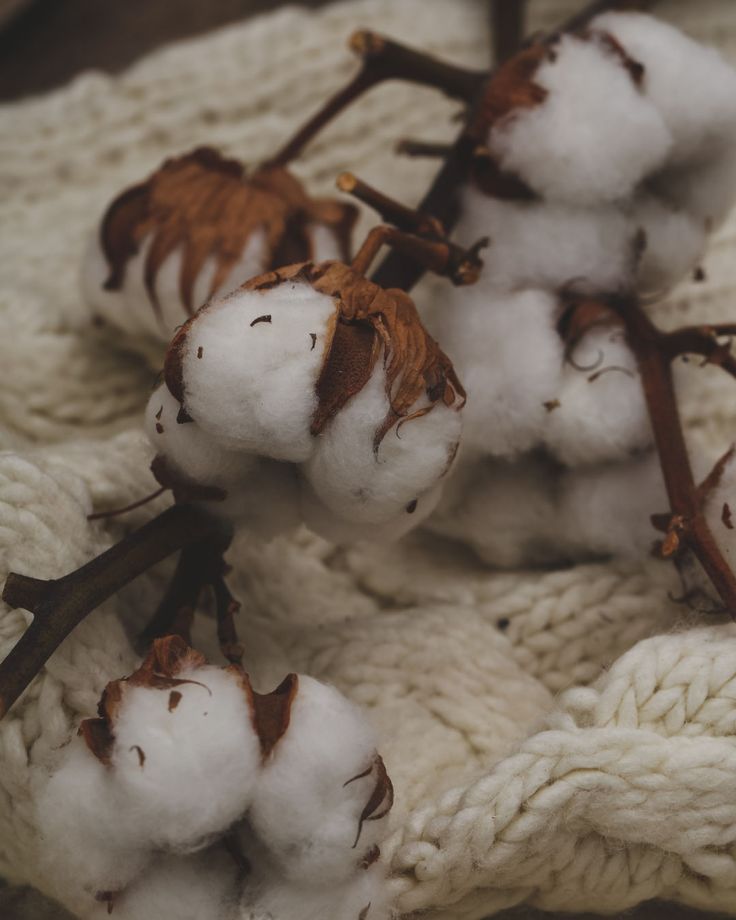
(308, 394)
(598, 155)
(192, 795)
(199, 227)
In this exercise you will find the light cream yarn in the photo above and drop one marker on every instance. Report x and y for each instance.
(620, 788)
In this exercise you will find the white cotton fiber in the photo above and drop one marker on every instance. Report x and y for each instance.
(694, 89)
(600, 413)
(86, 840)
(691, 85)
(313, 788)
(504, 510)
(131, 308)
(361, 898)
(593, 138)
(507, 352)
(606, 510)
(261, 495)
(549, 245)
(532, 512)
(198, 887)
(362, 485)
(250, 368)
(185, 765)
(720, 512)
(673, 244)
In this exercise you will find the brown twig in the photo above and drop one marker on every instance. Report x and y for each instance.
(409, 147)
(507, 27)
(654, 351)
(390, 210)
(383, 59)
(59, 605)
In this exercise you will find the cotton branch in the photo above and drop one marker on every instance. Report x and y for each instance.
(60, 604)
(507, 27)
(383, 60)
(655, 351)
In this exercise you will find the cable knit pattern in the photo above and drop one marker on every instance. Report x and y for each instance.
(621, 789)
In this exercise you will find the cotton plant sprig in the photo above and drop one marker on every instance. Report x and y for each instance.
(259, 802)
(201, 224)
(310, 394)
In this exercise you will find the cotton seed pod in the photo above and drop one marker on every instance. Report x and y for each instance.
(567, 121)
(197, 227)
(696, 102)
(178, 739)
(314, 364)
(323, 793)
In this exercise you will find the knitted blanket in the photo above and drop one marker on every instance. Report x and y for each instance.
(562, 738)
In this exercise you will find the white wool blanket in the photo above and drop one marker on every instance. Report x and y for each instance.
(562, 738)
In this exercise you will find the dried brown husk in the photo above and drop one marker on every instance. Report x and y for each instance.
(369, 321)
(204, 204)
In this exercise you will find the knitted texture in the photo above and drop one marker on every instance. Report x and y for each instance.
(619, 789)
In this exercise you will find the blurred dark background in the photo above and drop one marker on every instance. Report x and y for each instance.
(43, 43)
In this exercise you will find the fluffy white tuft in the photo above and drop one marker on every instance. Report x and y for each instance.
(549, 245)
(673, 242)
(361, 898)
(694, 90)
(198, 887)
(593, 138)
(600, 413)
(85, 839)
(262, 495)
(310, 794)
(250, 368)
(507, 352)
(185, 772)
(393, 485)
(533, 512)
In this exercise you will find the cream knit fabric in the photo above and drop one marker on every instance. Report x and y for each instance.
(556, 737)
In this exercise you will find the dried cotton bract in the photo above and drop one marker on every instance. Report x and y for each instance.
(314, 391)
(198, 227)
(193, 795)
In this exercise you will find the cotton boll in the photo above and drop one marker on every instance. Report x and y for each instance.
(504, 510)
(249, 368)
(361, 484)
(321, 798)
(606, 510)
(362, 898)
(548, 245)
(199, 887)
(691, 85)
(85, 839)
(508, 354)
(673, 240)
(706, 190)
(260, 495)
(185, 759)
(600, 413)
(720, 507)
(593, 137)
